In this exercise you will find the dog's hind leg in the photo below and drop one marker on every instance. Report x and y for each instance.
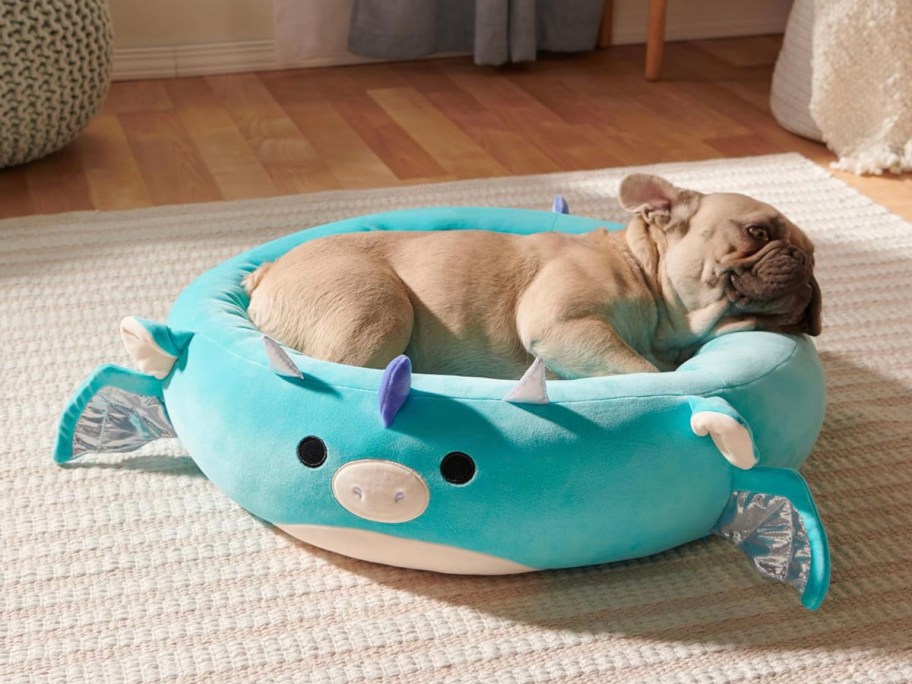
(347, 309)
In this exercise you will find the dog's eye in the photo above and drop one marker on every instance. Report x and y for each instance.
(457, 468)
(312, 451)
(760, 233)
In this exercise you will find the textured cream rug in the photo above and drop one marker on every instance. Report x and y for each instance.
(130, 568)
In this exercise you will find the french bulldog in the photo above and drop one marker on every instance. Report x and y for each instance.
(688, 267)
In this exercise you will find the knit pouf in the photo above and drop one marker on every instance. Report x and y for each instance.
(55, 69)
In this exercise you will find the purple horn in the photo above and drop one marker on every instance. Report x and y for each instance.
(394, 388)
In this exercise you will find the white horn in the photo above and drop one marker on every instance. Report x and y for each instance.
(531, 388)
(279, 361)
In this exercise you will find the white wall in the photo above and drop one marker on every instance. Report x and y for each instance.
(161, 23)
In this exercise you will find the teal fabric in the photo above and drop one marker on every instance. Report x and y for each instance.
(609, 470)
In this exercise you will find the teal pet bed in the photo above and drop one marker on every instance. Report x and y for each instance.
(473, 475)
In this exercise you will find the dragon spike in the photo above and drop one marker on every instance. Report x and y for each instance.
(531, 388)
(560, 205)
(394, 388)
(279, 361)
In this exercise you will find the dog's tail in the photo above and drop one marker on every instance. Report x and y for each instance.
(252, 280)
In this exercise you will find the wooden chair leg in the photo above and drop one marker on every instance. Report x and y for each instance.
(604, 37)
(655, 39)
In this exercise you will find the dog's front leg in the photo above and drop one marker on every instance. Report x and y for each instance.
(582, 347)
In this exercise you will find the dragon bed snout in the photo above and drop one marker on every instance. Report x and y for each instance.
(381, 491)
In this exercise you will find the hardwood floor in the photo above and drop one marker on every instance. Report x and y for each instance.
(258, 135)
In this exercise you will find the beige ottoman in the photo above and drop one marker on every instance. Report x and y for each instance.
(55, 69)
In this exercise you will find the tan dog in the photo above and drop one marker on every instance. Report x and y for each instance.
(688, 268)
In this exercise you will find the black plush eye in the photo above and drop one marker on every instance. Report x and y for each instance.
(760, 233)
(312, 451)
(457, 467)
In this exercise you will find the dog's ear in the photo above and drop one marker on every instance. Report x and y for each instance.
(652, 197)
(812, 323)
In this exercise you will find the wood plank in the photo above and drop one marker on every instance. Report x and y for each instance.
(57, 183)
(137, 96)
(291, 161)
(308, 86)
(486, 126)
(681, 107)
(498, 91)
(114, 178)
(754, 121)
(755, 92)
(637, 135)
(229, 159)
(347, 156)
(550, 91)
(742, 52)
(683, 62)
(569, 146)
(171, 165)
(445, 141)
(14, 194)
(516, 152)
(739, 145)
(363, 77)
(392, 144)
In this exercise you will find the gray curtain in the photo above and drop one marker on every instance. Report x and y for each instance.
(495, 31)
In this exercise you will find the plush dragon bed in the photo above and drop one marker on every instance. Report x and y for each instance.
(473, 475)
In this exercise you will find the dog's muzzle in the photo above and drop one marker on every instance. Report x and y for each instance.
(779, 272)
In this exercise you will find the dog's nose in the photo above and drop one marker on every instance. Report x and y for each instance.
(778, 273)
(799, 257)
(381, 491)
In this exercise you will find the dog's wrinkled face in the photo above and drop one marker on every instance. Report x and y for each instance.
(763, 261)
(730, 248)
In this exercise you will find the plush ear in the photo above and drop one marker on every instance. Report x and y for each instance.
(652, 197)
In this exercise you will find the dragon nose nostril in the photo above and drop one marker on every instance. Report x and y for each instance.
(381, 491)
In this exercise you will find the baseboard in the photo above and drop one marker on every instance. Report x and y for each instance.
(629, 27)
(699, 19)
(193, 60)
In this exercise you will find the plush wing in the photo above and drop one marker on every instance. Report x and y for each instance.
(115, 409)
(772, 519)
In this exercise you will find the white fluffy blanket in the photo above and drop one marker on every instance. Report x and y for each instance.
(862, 82)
